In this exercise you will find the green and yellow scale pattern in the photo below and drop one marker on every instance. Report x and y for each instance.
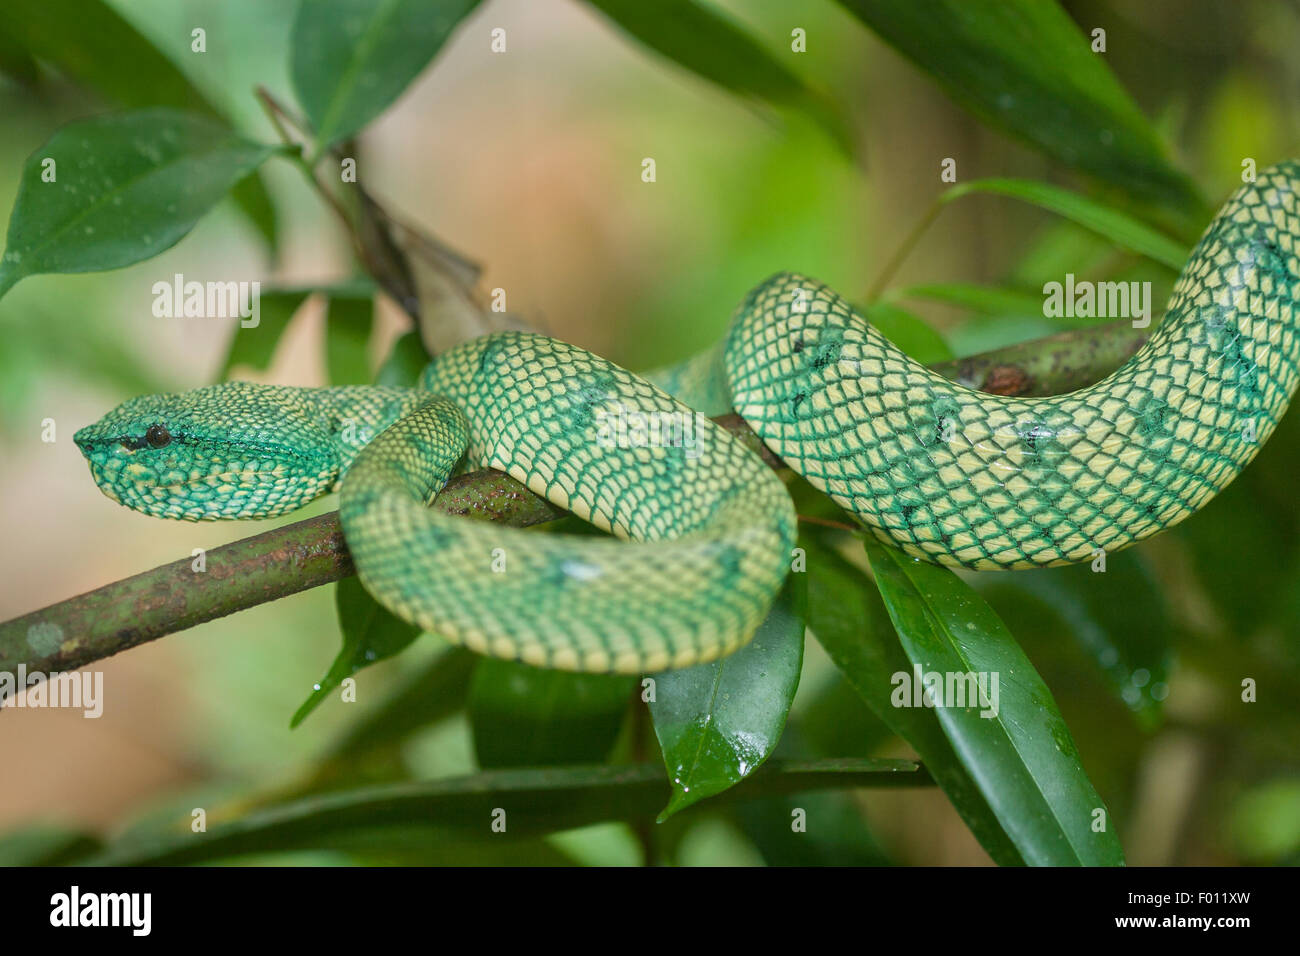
(707, 528)
(948, 474)
(958, 477)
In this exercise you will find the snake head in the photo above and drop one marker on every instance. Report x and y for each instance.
(236, 450)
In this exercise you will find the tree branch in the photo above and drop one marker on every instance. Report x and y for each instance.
(309, 553)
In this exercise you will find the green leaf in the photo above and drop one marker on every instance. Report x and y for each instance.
(524, 716)
(980, 298)
(348, 325)
(909, 332)
(37, 343)
(370, 749)
(706, 41)
(718, 722)
(836, 720)
(1022, 66)
(1022, 757)
(1119, 618)
(533, 801)
(15, 62)
(254, 346)
(835, 834)
(846, 615)
(1059, 246)
(127, 186)
(90, 42)
(46, 846)
(1118, 227)
(988, 333)
(433, 693)
(1243, 544)
(405, 362)
(350, 59)
(251, 196)
(370, 633)
(1265, 821)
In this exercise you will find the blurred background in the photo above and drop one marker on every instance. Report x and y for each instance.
(530, 163)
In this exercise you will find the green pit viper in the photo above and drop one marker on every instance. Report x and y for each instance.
(945, 473)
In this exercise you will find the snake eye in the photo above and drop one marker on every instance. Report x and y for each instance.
(158, 436)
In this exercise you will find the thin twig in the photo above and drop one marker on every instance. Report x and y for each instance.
(904, 249)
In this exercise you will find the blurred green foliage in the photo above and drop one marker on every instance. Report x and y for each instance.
(784, 152)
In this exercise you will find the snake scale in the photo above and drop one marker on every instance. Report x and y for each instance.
(945, 473)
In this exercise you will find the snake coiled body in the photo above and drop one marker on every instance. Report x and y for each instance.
(948, 474)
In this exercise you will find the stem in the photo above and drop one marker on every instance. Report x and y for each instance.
(903, 251)
(275, 112)
(538, 801)
(309, 553)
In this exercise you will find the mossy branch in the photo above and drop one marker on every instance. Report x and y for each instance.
(309, 553)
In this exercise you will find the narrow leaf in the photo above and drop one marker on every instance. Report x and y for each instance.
(1012, 738)
(706, 41)
(533, 801)
(404, 363)
(847, 617)
(43, 845)
(1118, 227)
(1118, 617)
(990, 300)
(370, 633)
(909, 332)
(253, 346)
(433, 693)
(1024, 67)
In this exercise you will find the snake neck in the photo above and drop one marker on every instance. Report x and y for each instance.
(699, 381)
(352, 415)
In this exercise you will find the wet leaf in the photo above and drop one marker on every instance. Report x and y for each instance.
(90, 42)
(370, 633)
(846, 615)
(126, 186)
(1012, 738)
(718, 722)
(1119, 618)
